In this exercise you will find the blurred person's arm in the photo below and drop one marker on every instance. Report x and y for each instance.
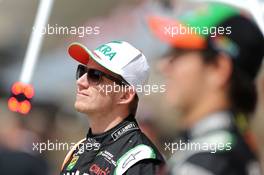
(19, 163)
(146, 167)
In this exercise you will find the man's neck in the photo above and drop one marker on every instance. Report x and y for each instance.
(204, 109)
(102, 122)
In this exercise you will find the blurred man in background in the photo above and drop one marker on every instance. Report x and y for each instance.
(114, 142)
(16, 155)
(215, 55)
(21, 163)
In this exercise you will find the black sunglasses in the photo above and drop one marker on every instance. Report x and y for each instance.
(94, 76)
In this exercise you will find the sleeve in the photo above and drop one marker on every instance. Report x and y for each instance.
(203, 163)
(141, 159)
(190, 169)
(146, 167)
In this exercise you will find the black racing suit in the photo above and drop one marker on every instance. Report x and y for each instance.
(214, 146)
(123, 149)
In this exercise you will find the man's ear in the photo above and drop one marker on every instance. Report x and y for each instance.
(127, 96)
(221, 71)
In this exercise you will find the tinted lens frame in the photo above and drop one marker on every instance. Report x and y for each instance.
(94, 76)
(81, 70)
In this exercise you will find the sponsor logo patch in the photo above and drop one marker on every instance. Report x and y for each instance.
(96, 169)
(120, 131)
(107, 156)
(72, 163)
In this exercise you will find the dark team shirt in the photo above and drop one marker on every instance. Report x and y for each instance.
(122, 150)
(216, 147)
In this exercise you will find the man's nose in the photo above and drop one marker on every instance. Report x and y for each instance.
(82, 82)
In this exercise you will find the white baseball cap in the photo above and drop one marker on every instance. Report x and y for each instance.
(119, 57)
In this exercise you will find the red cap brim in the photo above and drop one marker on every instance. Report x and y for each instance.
(87, 57)
(163, 28)
(79, 53)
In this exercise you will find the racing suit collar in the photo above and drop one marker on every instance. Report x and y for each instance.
(127, 125)
(215, 121)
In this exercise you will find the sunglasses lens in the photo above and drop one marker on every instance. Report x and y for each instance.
(81, 70)
(94, 76)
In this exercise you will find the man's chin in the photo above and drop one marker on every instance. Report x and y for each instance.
(175, 104)
(83, 108)
(80, 107)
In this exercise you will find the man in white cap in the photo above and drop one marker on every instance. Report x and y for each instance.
(114, 143)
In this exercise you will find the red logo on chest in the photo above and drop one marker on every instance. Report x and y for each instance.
(99, 171)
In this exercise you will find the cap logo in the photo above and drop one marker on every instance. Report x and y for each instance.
(107, 51)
